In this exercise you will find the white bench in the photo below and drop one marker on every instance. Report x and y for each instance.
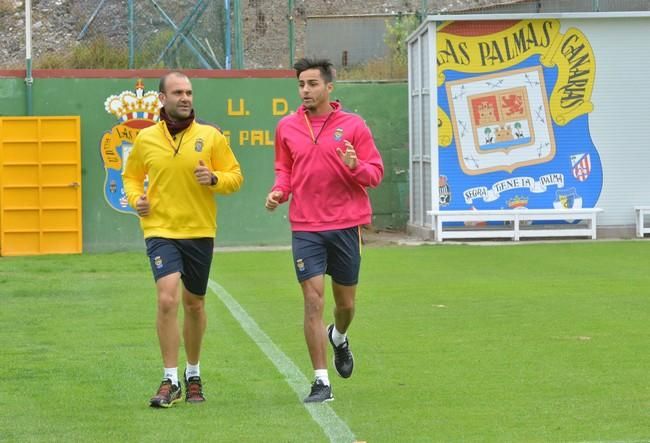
(641, 212)
(476, 225)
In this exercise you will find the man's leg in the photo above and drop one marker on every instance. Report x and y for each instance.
(194, 325)
(193, 330)
(313, 290)
(343, 314)
(314, 300)
(167, 318)
(344, 306)
(169, 391)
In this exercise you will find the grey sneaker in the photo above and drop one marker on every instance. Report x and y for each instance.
(167, 395)
(343, 359)
(320, 393)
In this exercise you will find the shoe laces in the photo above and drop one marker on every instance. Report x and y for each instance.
(342, 350)
(194, 387)
(165, 389)
(317, 386)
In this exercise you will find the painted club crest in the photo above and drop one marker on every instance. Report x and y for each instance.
(581, 166)
(567, 199)
(443, 191)
(514, 102)
(503, 127)
(134, 111)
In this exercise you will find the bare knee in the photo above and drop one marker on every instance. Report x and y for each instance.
(167, 303)
(194, 306)
(314, 299)
(344, 297)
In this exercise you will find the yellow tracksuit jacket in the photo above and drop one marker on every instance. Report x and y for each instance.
(179, 206)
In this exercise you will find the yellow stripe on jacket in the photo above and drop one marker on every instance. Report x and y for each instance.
(179, 206)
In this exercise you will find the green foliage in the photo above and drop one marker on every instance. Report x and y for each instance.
(396, 34)
(147, 54)
(395, 65)
(94, 54)
(6, 7)
(380, 69)
(99, 54)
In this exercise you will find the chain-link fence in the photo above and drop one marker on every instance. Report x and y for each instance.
(163, 33)
(269, 34)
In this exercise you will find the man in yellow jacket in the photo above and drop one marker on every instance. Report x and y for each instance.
(186, 162)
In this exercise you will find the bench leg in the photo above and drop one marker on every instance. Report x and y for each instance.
(515, 222)
(438, 222)
(592, 226)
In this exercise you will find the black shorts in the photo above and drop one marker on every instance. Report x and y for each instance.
(191, 257)
(337, 253)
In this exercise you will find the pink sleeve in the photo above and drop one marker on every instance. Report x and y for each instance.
(283, 166)
(370, 167)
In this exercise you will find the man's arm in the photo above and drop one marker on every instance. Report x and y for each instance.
(225, 168)
(369, 168)
(133, 175)
(283, 168)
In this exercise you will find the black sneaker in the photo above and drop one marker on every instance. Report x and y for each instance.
(193, 389)
(343, 359)
(167, 395)
(319, 393)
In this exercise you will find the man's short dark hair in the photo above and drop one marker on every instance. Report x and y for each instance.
(323, 65)
(163, 79)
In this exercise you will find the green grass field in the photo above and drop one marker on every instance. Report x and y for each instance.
(524, 343)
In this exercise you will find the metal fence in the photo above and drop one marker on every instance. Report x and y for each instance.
(164, 33)
(549, 6)
(269, 34)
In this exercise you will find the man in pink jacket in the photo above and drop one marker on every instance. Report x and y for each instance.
(325, 158)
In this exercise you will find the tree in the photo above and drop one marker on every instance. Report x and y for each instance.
(396, 34)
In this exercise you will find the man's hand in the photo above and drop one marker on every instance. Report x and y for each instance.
(142, 206)
(203, 174)
(273, 199)
(349, 157)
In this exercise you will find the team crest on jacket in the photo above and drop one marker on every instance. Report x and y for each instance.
(338, 134)
(134, 111)
(198, 145)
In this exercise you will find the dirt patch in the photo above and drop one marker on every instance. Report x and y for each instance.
(375, 237)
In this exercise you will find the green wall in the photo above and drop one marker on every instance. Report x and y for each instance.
(242, 218)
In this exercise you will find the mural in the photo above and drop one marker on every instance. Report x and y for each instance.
(135, 111)
(514, 99)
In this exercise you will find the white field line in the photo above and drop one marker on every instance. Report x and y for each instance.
(335, 428)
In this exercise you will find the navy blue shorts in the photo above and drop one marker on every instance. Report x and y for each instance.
(191, 257)
(337, 253)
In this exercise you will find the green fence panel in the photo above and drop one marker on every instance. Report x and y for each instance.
(247, 110)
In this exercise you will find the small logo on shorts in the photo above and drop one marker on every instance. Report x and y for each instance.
(300, 265)
(157, 260)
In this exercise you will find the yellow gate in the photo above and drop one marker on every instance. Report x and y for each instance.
(40, 185)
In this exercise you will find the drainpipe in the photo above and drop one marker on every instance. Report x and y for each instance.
(131, 34)
(228, 62)
(291, 31)
(29, 80)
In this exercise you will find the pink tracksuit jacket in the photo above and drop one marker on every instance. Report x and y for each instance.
(325, 193)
